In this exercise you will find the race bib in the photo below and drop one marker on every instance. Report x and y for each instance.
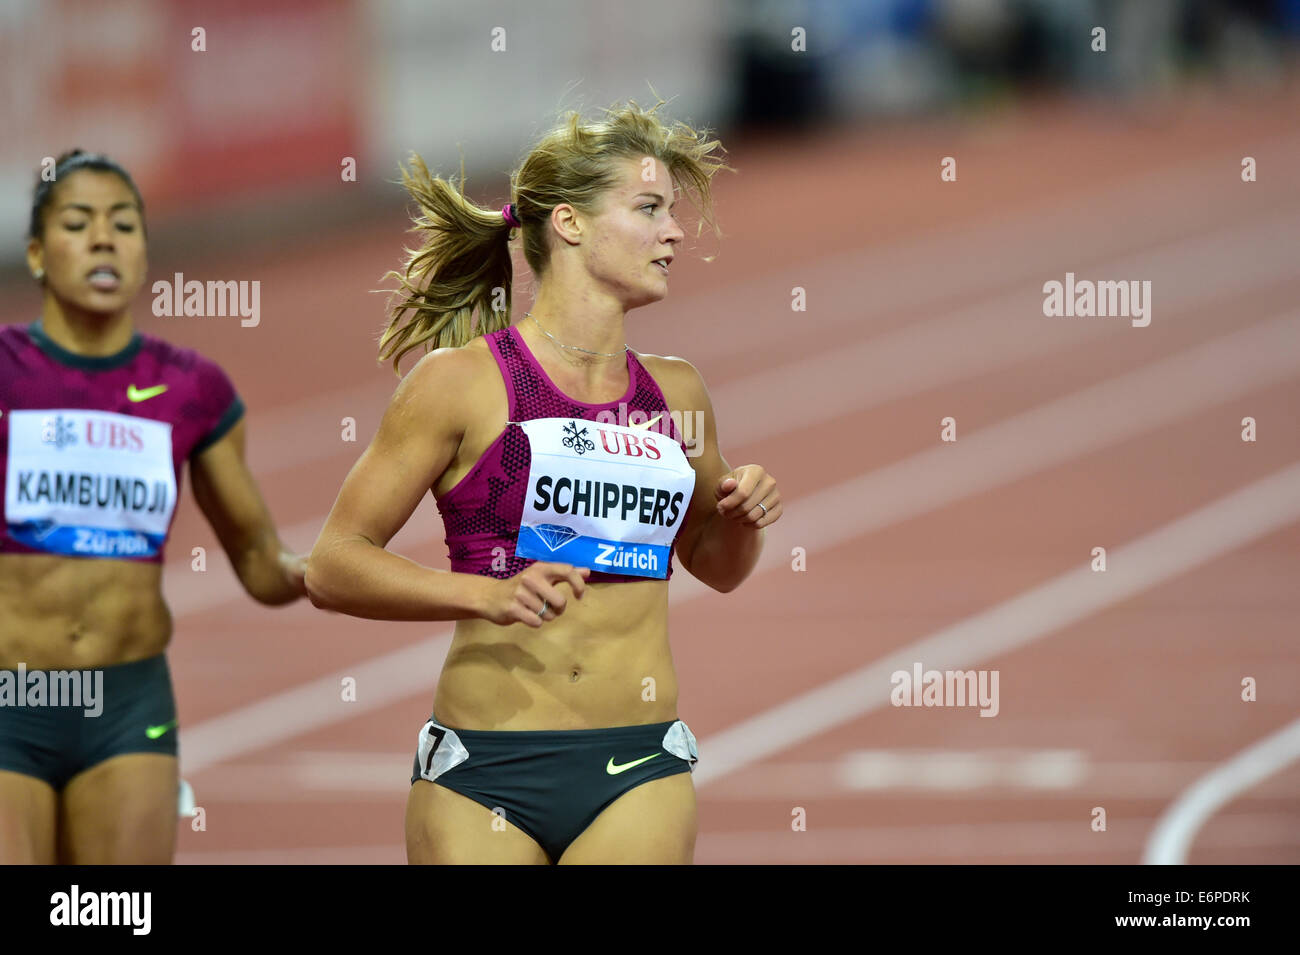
(89, 483)
(603, 496)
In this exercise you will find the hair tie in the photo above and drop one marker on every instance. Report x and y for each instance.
(511, 216)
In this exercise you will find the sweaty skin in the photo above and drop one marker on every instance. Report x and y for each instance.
(587, 667)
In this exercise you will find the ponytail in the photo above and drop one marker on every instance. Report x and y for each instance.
(462, 269)
(464, 266)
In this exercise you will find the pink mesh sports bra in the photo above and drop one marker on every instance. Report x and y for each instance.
(482, 514)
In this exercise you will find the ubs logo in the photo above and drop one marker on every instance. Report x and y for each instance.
(58, 431)
(576, 438)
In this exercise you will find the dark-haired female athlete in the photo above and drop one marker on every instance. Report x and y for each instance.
(96, 423)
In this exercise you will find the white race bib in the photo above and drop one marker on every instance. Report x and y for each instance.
(603, 496)
(89, 483)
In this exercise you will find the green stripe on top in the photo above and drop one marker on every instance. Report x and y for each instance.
(88, 362)
(222, 427)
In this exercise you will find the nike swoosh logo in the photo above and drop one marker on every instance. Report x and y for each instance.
(647, 423)
(144, 394)
(153, 732)
(615, 770)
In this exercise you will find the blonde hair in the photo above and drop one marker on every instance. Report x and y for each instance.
(465, 255)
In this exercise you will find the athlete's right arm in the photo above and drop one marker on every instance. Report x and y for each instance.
(350, 571)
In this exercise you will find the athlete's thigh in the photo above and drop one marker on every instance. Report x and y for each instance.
(121, 812)
(445, 828)
(653, 824)
(29, 818)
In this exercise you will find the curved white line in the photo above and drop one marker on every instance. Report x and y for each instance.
(1174, 831)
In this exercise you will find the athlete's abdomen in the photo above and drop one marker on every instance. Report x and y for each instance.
(74, 613)
(604, 662)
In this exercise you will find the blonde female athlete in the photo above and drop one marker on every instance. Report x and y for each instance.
(554, 735)
(96, 423)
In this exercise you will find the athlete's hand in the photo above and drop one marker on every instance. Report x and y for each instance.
(739, 493)
(519, 598)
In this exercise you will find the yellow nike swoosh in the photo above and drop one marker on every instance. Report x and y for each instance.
(647, 423)
(615, 770)
(144, 394)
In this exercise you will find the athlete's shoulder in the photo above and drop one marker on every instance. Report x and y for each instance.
(198, 389)
(676, 375)
(670, 363)
(477, 347)
(442, 378)
(19, 353)
(15, 336)
(181, 360)
(473, 356)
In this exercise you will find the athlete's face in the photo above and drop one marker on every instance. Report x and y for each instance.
(93, 249)
(635, 227)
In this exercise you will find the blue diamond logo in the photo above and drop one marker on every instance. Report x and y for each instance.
(555, 536)
(39, 529)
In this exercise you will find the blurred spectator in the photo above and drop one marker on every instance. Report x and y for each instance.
(866, 57)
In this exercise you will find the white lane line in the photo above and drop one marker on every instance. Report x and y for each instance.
(881, 769)
(1172, 837)
(380, 680)
(1243, 516)
(797, 780)
(188, 591)
(1098, 416)
(350, 771)
(1009, 450)
(310, 776)
(779, 844)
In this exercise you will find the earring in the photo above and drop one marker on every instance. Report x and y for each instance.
(38, 274)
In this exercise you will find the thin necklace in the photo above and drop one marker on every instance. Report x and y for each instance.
(574, 347)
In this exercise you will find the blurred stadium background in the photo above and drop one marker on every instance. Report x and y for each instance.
(1125, 161)
(285, 89)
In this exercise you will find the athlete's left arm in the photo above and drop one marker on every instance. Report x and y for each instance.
(722, 538)
(227, 495)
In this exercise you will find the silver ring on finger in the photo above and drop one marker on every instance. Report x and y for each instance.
(542, 612)
(764, 511)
